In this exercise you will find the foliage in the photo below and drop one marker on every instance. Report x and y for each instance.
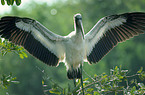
(11, 2)
(104, 84)
(6, 47)
(6, 80)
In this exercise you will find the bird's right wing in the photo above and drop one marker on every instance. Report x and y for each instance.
(34, 37)
(111, 30)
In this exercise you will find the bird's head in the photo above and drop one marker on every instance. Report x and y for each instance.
(78, 24)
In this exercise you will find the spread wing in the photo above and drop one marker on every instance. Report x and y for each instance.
(35, 38)
(111, 30)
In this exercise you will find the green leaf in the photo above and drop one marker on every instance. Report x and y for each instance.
(143, 75)
(90, 90)
(95, 75)
(51, 91)
(120, 77)
(11, 2)
(132, 81)
(2, 2)
(42, 82)
(18, 2)
(21, 56)
(140, 70)
(133, 90)
(85, 79)
(8, 2)
(96, 93)
(55, 92)
(25, 55)
(116, 68)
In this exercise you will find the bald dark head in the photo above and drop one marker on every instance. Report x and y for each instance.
(78, 24)
(78, 20)
(78, 17)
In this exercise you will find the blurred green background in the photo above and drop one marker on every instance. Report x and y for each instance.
(58, 17)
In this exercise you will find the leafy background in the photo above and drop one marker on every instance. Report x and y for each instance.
(58, 17)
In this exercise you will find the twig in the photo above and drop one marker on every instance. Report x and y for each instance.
(88, 75)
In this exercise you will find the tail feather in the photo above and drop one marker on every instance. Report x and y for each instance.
(74, 73)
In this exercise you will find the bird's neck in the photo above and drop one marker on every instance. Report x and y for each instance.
(79, 33)
(78, 37)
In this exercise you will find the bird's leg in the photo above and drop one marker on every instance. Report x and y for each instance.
(73, 76)
(74, 82)
(81, 67)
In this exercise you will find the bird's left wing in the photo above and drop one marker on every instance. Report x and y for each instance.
(111, 30)
(34, 37)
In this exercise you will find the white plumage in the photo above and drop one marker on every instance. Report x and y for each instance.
(76, 47)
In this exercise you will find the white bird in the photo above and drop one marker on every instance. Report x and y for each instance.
(77, 47)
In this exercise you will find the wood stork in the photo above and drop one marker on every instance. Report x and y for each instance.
(76, 47)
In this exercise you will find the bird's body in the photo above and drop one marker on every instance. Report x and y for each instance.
(76, 47)
(74, 52)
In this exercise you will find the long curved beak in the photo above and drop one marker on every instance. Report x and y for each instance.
(79, 27)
